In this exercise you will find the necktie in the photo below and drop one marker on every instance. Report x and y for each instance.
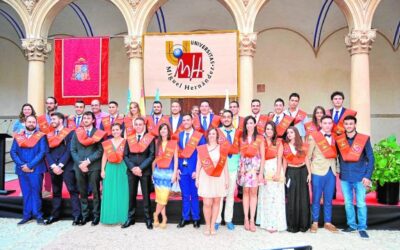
(229, 137)
(186, 139)
(112, 119)
(57, 132)
(277, 120)
(78, 121)
(336, 118)
(138, 137)
(88, 132)
(326, 135)
(204, 122)
(156, 120)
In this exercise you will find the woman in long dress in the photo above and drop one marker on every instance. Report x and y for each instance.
(271, 213)
(165, 168)
(115, 201)
(251, 164)
(212, 179)
(298, 176)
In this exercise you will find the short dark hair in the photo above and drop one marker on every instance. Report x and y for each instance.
(279, 100)
(89, 113)
(59, 115)
(175, 101)
(26, 118)
(294, 95)
(337, 93)
(350, 117)
(141, 119)
(113, 102)
(157, 102)
(205, 100)
(80, 101)
(52, 97)
(255, 100)
(326, 117)
(187, 114)
(236, 102)
(227, 111)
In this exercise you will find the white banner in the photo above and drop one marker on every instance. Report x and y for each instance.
(200, 64)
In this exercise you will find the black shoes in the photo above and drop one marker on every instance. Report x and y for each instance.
(76, 221)
(51, 220)
(182, 223)
(196, 224)
(40, 221)
(149, 224)
(95, 221)
(349, 230)
(363, 234)
(85, 220)
(23, 221)
(128, 223)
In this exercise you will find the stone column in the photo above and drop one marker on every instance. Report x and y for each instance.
(359, 43)
(36, 52)
(247, 49)
(133, 45)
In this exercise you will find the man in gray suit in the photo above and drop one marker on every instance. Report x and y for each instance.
(86, 151)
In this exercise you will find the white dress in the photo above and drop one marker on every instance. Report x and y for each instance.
(271, 208)
(210, 186)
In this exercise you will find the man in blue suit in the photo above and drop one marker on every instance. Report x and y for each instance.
(206, 119)
(189, 139)
(338, 112)
(28, 151)
(61, 168)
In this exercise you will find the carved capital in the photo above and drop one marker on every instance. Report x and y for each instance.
(133, 46)
(245, 2)
(30, 5)
(360, 41)
(36, 49)
(247, 46)
(134, 4)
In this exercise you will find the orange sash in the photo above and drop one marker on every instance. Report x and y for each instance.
(252, 149)
(44, 125)
(353, 153)
(24, 142)
(141, 146)
(107, 123)
(55, 140)
(284, 125)
(191, 145)
(262, 121)
(86, 140)
(329, 151)
(71, 123)
(114, 155)
(271, 151)
(300, 116)
(152, 127)
(234, 147)
(310, 127)
(164, 158)
(294, 159)
(214, 123)
(130, 129)
(339, 128)
(207, 163)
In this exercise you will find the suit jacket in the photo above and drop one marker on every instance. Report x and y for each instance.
(92, 152)
(192, 161)
(179, 122)
(142, 160)
(33, 157)
(62, 153)
(333, 114)
(209, 124)
(319, 164)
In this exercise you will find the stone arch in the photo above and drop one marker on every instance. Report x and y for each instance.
(21, 11)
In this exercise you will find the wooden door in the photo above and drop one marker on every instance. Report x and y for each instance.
(216, 104)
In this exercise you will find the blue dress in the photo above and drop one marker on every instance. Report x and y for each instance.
(162, 182)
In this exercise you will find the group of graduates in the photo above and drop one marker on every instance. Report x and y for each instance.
(272, 158)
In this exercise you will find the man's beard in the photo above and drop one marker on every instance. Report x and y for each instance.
(227, 126)
(30, 128)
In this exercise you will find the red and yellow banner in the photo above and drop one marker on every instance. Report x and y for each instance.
(81, 69)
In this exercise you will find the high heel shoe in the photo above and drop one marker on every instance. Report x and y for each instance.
(163, 224)
(246, 225)
(156, 222)
(252, 226)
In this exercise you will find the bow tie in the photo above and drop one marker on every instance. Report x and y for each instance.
(326, 135)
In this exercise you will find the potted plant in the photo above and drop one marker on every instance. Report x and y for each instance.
(386, 174)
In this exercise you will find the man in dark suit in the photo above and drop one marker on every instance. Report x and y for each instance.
(139, 156)
(28, 151)
(205, 119)
(86, 151)
(338, 112)
(61, 168)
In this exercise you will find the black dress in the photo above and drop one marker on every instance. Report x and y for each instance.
(298, 213)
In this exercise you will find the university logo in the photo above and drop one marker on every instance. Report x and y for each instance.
(190, 64)
(81, 70)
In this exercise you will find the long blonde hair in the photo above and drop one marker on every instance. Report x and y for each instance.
(136, 106)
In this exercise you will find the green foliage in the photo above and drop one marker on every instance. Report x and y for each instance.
(387, 161)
